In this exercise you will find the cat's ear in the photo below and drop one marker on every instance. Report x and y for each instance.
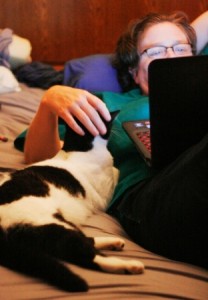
(114, 114)
(109, 124)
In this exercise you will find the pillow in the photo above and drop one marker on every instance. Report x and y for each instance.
(8, 82)
(19, 51)
(94, 73)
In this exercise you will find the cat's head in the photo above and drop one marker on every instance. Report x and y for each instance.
(76, 142)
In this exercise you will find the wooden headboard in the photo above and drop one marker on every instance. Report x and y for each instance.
(60, 30)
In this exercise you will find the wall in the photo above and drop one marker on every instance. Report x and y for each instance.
(63, 29)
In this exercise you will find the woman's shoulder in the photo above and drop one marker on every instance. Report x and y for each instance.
(117, 101)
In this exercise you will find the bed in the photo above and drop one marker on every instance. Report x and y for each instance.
(162, 279)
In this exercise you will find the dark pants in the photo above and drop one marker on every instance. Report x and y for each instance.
(168, 214)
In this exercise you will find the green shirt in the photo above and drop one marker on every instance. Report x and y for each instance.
(132, 106)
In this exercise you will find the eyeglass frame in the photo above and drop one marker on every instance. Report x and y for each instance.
(166, 48)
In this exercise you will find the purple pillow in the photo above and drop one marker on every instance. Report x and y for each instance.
(93, 73)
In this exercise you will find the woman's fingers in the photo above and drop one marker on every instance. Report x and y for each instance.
(72, 104)
(89, 118)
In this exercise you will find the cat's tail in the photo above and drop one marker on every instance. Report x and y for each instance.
(37, 264)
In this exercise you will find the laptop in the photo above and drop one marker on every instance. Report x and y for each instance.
(178, 107)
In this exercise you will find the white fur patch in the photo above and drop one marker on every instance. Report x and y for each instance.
(95, 172)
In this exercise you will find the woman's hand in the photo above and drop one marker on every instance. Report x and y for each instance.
(70, 103)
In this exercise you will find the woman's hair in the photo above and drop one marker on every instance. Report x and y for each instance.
(126, 56)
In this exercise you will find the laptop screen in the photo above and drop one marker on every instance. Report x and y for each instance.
(178, 96)
(178, 103)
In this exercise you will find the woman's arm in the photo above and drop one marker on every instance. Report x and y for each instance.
(42, 140)
(200, 25)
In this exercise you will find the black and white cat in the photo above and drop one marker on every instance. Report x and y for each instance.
(43, 206)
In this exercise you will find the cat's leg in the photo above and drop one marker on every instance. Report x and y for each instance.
(113, 264)
(27, 249)
(109, 243)
(70, 245)
(73, 246)
(116, 265)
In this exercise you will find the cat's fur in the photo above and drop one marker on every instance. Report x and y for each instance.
(43, 207)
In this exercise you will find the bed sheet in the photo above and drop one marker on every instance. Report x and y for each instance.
(16, 112)
(162, 279)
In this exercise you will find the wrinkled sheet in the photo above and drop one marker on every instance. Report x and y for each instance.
(162, 279)
(16, 112)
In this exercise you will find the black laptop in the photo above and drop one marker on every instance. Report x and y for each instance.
(178, 103)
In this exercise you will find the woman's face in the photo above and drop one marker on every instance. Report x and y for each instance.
(162, 34)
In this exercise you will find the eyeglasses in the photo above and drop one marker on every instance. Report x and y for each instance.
(161, 51)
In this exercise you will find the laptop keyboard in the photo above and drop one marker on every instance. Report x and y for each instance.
(143, 133)
(144, 137)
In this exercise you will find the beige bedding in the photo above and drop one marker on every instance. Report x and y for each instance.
(162, 279)
(16, 112)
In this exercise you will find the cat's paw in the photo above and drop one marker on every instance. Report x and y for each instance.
(117, 244)
(120, 266)
(134, 267)
(109, 243)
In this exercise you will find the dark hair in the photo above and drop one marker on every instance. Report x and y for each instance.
(126, 57)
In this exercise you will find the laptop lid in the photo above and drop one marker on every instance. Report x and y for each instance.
(178, 95)
(178, 103)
